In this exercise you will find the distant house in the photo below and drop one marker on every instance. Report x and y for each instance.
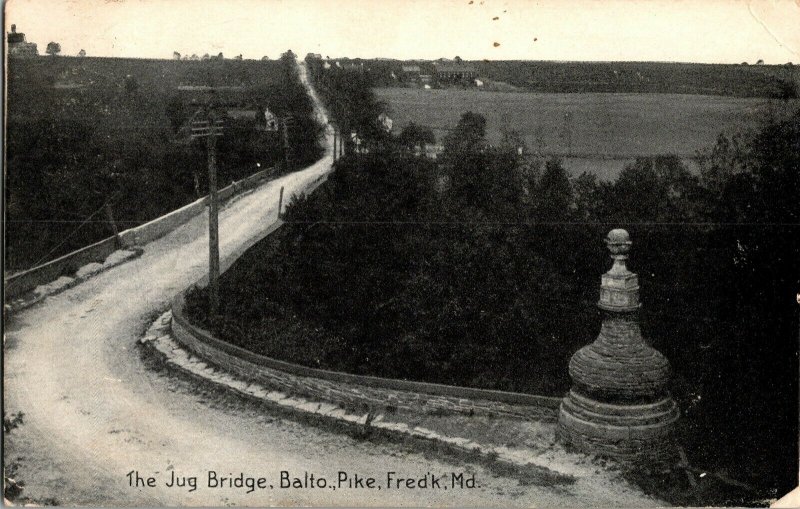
(18, 46)
(242, 114)
(448, 72)
(429, 150)
(270, 121)
(385, 122)
(357, 142)
(75, 78)
(410, 73)
(229, 96)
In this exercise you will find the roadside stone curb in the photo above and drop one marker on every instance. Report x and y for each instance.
(158, 340)
(63, 283)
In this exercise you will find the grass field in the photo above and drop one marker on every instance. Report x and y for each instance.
(597, 131)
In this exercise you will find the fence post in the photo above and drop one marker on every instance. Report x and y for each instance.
(280, 203)
(110, 216)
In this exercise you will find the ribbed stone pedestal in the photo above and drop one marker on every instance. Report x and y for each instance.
(619, 405)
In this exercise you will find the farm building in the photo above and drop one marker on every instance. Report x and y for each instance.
(18, 46)
(429, 150)
(453, 72)
(386, 122)
(270, 121)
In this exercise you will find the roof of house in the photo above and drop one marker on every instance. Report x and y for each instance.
(239, 113)
(452, 67)
(411, 68)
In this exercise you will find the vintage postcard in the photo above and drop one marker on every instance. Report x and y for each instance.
(426, 253)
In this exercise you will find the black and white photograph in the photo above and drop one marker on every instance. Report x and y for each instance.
(401, 253)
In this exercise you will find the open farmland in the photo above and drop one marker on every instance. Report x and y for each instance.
(598, 132)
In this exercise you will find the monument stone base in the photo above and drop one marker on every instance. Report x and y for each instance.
(631, 432)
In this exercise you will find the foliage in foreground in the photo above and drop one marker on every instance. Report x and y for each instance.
(483, 271)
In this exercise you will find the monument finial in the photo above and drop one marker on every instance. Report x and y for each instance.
(619, 404)
(619, 287)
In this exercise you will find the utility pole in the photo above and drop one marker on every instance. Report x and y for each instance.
(334, 144)
(288, 121)
(111, 222)
(210, 129)
(213, 222)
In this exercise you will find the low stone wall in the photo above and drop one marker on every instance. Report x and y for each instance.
(364, 392)
(19, 284)
(159, 227)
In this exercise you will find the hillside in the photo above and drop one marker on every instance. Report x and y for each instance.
(618, 77)
(113, 91)
(83, 132)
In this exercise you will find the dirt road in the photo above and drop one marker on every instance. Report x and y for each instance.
(94, 411)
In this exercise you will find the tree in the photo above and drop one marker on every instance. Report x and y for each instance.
(238, 57)
(787, 89)
(554, 192)
(655, 189)
(413, 135)
(467, 137)
(176, 55)
(514, 141)
(220, 56)
(131, 85)
(82, 53)
(587, 196)
(176, 113)
(53, 48)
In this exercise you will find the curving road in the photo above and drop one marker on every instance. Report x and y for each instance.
(94, 410)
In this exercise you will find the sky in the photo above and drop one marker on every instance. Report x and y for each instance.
(710, 31)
